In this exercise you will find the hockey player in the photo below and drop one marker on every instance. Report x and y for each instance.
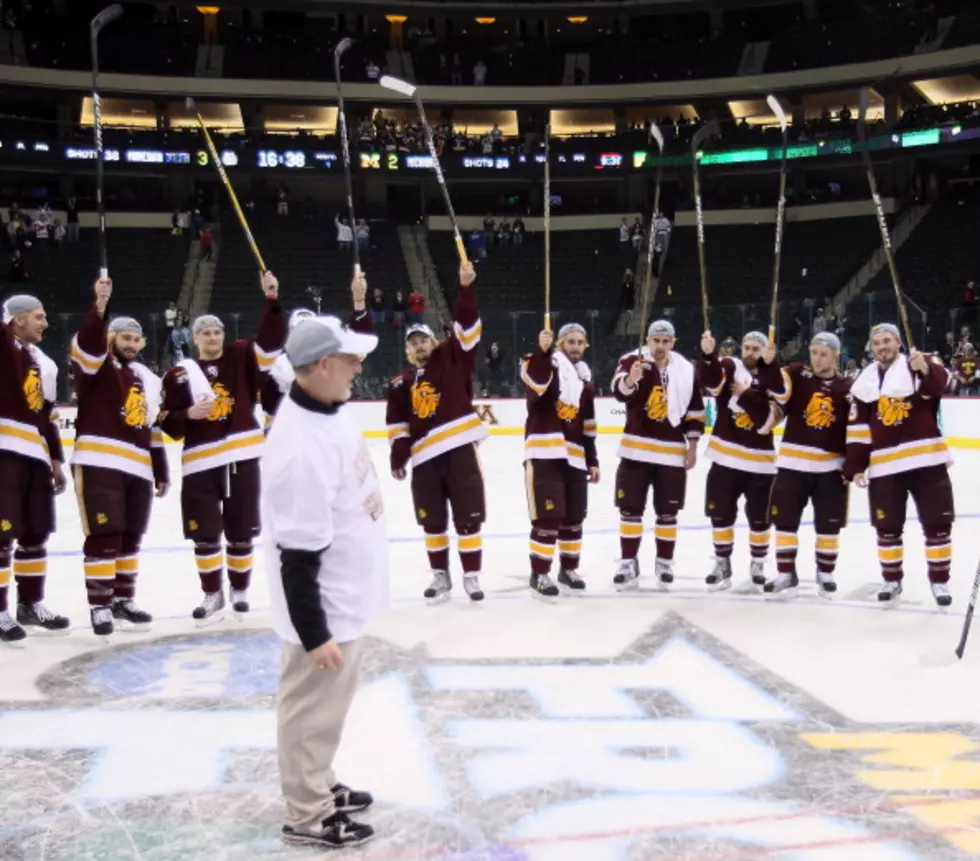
(742, 455)
(209, 403)
(31, 470)
(896, 449)
(664, 421)
(118, 459)
(560, 458)
(281, 375)
(811, 457)
(432, 423)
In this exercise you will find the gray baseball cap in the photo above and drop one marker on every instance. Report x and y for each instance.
(20, 304)
(313, 339)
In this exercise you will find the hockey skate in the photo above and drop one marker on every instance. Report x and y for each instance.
(336, 832)
(102, 625)
(239, 603)
(826, 584)
(569, 583)
(890, 593)
(720, 577)
(211, 609)
(663, 572)
(940, 591)
(757, 573)
(133, 619)
(11, 634)
(471, 585)
(783, 585)
(627, 575)
(543, 588)
(40, 620)
(439, 589)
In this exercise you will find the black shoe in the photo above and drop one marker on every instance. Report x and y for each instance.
(125, 610)
(11, 634)
(336, 832)
(350, 800)
(38, 616)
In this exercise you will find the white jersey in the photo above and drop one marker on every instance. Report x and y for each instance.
(320, 492)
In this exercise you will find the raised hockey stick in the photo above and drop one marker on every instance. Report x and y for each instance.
(338, 52)
(106, 16)
(702, 135)
(216, 160)
(886, 242)
(410, 90)
(648, 295)
(547, 227)
(777, 109)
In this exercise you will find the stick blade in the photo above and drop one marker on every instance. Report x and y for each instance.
(343, 45)
(703, 133)
(397, 85)
(937, 659)
(777, 110)
(657, 135)
(107, 16)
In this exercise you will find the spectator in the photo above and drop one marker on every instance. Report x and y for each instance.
(175, 228)
(207, 244)
(345, 236)
(969, 314)
(637, 234)
(372, 71)
(488, 226)
(18, 267)
(479, 73)
(377, 306)
(456, 71)
(661, 231)
(851, 371)
(966, 340)
(518, 231)
(399, 310)
(505, 230)
(493, 371)
(819, 322)
(59, 233)
(624, 233)
(282, 201)
(362, 235)
(948, 350)
(416, 307)
(627, 296)
(965, 371)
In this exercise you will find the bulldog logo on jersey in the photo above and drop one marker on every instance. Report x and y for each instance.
(657, 404)
(223, 404)
(819, 413)
(743, 421)
(33, 392)
(425, 399)
(893, 411)
(566, 412)
(134, 409)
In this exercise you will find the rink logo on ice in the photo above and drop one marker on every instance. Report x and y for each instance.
(680, 744)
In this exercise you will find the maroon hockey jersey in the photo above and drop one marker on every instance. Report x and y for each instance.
(742, 434)
(649, 435)
(816, 411)
(430, 409)
(116, 426)
(28, 419)
(887, 433)
(230, 433)
(556, 430)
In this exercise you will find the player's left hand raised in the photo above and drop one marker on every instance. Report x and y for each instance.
(270, 285)
(467, 273)
(918, 362)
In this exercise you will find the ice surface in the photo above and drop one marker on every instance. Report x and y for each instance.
(685, 725)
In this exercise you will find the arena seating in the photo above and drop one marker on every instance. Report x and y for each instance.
(146, 267)
(304, 253)
(740, 268)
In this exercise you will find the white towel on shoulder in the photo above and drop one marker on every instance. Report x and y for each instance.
(572, 377)
(201, 391)
(742, 376)
(49, 373)
(152, 388)
(899, 382)
(282, 372)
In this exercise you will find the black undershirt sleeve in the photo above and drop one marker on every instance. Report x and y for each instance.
(299, 570)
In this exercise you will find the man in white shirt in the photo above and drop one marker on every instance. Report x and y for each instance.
(327, 562)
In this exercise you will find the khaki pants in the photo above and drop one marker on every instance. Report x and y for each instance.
(312, 708)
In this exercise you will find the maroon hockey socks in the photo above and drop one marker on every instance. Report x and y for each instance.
(238, 558)
(30, 570)
(544, 535)
(470, 546)
(570, 546)
(665, 534)
(209, 566)
(4, 575)
(630, 535)
(437, 546)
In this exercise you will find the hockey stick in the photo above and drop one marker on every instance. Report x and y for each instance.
(338, 52)
(106, 16)
(943, 658)
(886, 241)
(547, 227)
(647, 303)
(702, 135)
(777, 109)
(192, 107)
(410, 90)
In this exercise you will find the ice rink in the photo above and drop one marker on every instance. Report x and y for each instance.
(686, 725)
